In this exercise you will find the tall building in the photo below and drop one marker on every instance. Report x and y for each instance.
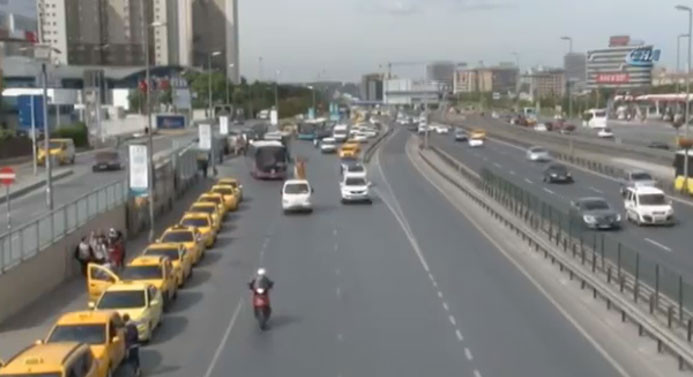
(215, 28)
(441, 72)
(372, 87)
(575, 66)
(624, 65)
(546, 82)
(501, 79)
(17, 28)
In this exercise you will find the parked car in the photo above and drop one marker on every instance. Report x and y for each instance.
(557, 173)
(636, 178)
(596, 213)
(538, 154)
(107, 160)
(648, 205)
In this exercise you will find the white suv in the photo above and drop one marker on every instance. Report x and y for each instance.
(648, 205)
(355, 189)
(296, 195)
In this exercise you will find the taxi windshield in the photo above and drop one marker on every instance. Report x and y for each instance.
(182, 236)
(121, 300)
(204, 209)
(196, 222)
(172, 253)
(211, 199)
(141, 273)
(223, 190)
(90, 334)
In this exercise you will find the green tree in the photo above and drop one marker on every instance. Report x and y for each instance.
(136, 100)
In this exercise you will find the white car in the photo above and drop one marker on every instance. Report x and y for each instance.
(475, 142)
(538, 154)
(423, 128)
(355, 170)
(355, 189)
(440, 129)
(605, 133)
(328, 145)
(296, 195)
(370, 133)
(541, 127)
(648, 205)
(360, 137)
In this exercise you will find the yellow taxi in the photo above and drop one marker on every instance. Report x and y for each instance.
(103, 331)
(186, 236)
(62, 150)
(155, 270)
(52, 360)
(349, 149)
(143, 302)
(213, 197)
(203, 223)
(233, 182)
(477, 134)
(210, 208)
(228, 194)
(180, 259)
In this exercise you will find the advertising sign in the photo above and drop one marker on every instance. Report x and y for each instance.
(170, 122)
(30, 109)
(205, 137)
(139, 175)
(642, 57)
(224, 125)
(619, 40)
(613, 78)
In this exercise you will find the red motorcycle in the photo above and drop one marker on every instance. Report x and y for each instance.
(261, 306)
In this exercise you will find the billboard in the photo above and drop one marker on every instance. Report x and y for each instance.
(613, 78)
(205, 133)
(139, 174)
(30, 109)
(224, 125)
(619, 40)
(642, 56)
(170, 122)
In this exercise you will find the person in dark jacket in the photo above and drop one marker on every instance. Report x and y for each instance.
(132, 344)
(260, 280)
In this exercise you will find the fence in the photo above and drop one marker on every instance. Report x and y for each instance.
(31, 238)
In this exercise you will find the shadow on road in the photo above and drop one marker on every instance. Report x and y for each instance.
(172, 326)
(199, 277)
(185, 301)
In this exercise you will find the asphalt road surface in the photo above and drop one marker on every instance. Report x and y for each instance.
(356, 294)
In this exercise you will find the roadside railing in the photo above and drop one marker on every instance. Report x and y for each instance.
(31, 238)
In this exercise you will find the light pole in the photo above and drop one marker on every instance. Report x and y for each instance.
(276, 94)
(567, 81)
(228, 96)
(687, 113)
(209, 81)
(678, 58)
(312, 89)
(148, 112)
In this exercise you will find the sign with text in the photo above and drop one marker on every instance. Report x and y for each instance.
(7, 176)
(224, 125)
(642, 57)
(613, 78)
(139, 171)
(205, 134)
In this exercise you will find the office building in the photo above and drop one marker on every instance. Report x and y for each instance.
(215, 28)
(575, 66)
(465, 81)
(502, 79)
(624, 65)
(441, 72)
(545, 82)
(16, 31)
(372, 87)
(409, 92)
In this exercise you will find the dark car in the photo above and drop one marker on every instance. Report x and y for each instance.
(596, 213)
(461, 135)
(557, 173)
(658, 145)
(107, 160)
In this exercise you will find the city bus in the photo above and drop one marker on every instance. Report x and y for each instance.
(268, 159)
(309, 129)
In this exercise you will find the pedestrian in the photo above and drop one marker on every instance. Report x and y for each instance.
(203, 163)
(132, 344)
(84, 254)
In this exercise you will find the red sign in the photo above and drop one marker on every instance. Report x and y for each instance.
(613, 78)
(7, 176)
(619, 40)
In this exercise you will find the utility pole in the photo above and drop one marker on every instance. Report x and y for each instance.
(46, 140)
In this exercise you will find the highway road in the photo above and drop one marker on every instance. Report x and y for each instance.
(32, 205)
(668, 246)
(404, 287)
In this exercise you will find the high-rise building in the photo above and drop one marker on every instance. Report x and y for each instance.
(17, 28)
(215, 28)
(372, 87)
(465, 81)
(575, 66)
(546, 82)
(441, 72)
(500, 79)
(624, 65)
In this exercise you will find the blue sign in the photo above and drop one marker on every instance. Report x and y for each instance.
(642, 57)
(25, 104)
(170, 122)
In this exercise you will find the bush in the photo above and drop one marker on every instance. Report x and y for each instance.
(77, 132)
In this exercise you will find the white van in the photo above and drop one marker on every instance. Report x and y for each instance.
(648, 205)
(594, 118)
(340, 133)
(296, 195)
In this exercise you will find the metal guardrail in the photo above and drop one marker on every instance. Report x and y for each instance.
(31, 238)
(604, 263)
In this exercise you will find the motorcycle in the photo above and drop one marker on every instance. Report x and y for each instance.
(261, 307)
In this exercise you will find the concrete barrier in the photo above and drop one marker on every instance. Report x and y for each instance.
(38, 276)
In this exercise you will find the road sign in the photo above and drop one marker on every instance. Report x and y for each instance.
(205, 135)
(7, 176)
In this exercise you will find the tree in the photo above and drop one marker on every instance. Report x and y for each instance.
(136, 100)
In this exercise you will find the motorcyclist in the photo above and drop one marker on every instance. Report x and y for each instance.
(260, 280)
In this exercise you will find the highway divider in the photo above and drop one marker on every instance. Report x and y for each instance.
(658, 301)
(368, 154)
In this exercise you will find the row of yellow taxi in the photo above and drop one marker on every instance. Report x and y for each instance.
(93, 340)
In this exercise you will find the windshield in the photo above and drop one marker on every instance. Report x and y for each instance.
(196, 222)
(179, 236)
(223, 190)
(106, 156)
(356, 169)
(141, 273)
(355, 182)
(121, 300)
(205, 209)
(592, 205)
(296, 188)
(559, 169)
(90, 334)
(538, 150)
(652, 199)
(600, 114)
(211, 199)
(55, 144)
(641, 177)
(271, 157)
(171, 253)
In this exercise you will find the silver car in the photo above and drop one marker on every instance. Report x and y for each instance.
(637, 178)
(596, 213)
(538, 154)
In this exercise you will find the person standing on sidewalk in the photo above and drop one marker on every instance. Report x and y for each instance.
(132, 345)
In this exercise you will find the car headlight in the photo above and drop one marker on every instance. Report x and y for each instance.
(589, 219)
(554, 174)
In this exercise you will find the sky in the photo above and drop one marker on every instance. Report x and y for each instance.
(310, 39)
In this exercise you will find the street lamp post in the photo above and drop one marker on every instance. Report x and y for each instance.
(567, 83)
(211, 107)
(228, 96)
(687, 112)
(276, 95)
(678, 58)
(312, 89)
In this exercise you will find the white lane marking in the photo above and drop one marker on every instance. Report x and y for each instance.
(596, 190)
(340, 337)
(528, 181)
(339, 292)
(445, 306)
(477, 373)
(336, 247)
(452, 320)
(664, 247)
(617, 366)
(440, 294)
(549, 191)
(224, 339)
(459, 335)
(468, 354)
(435, 283)
(512, 172)
(430, 276)
(497, 165)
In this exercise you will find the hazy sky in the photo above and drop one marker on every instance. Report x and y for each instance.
(349, 37)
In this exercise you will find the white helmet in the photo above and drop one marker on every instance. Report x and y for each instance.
(261, 272)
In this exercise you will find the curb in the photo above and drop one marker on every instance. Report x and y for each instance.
(33, 186)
